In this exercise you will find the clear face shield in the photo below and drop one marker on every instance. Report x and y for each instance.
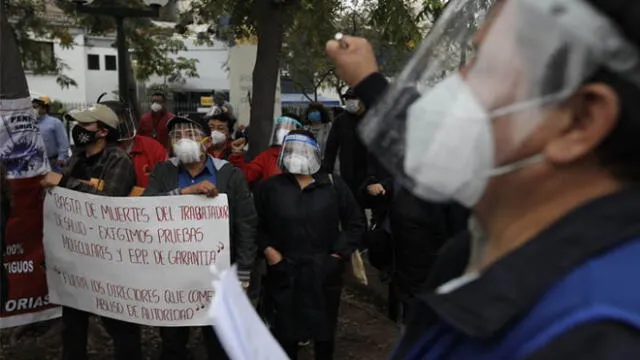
(283, 125)
(189, 142)
(300, 155)
(127, 125)
(486, 77)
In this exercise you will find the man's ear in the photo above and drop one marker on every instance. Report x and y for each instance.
(586, 121)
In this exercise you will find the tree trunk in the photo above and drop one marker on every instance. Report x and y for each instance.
(270, 31)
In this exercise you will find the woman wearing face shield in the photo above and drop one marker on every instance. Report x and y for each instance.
(538, 135)
(265, 164)
(308, 225)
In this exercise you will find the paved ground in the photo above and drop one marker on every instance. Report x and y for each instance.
(364, 333)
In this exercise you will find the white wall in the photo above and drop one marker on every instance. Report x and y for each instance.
(211, 64)
(242, 61)
(92, 83)
(74, 58)
(100, 81)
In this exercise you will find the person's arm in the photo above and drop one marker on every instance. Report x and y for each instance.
(252, 171)
(62, 140)
(352, 220)
(371, 88)
(119, 178)
(261, 203)
(245, 223)
(332, 147)
(160, 154)
(603, 340)
(155, 186)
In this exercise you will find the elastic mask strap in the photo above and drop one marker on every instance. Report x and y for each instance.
(520, 164)
(538, 102)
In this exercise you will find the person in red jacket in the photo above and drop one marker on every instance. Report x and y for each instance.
(154, 123)
(144, 151)
(265, 165)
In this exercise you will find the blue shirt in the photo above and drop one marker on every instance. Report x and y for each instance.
(208, 173)
(55, 137)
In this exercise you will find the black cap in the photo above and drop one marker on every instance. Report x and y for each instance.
(181, 119)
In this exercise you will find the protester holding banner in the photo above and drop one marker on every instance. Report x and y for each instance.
(194, 172)
(309, 225)
(100, 167)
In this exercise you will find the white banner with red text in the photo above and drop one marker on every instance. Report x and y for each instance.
(143, 260)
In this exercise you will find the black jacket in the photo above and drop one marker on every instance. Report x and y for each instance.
(242, 220)
(344, 139)
(113, 167)
(307, 226)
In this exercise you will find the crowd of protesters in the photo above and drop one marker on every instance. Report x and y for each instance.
(296, 217)
(546, 163)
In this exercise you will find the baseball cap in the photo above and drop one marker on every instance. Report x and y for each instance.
(95, 113)
(181, 119)
(45, 100)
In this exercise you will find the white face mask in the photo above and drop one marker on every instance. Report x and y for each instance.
(218, 137)
(296, 164)
(187, 151)
(352, 106)
(156, 107)
(450, 152)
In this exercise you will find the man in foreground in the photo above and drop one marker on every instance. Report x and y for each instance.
(537, 134)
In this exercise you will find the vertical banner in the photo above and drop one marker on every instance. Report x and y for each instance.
(143, 260)
(22, 152)
(28, 300)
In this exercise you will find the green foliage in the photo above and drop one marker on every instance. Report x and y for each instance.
(393, 27)
(51, 21)
(157, 57)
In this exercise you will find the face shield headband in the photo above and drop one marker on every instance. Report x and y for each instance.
(477, 88)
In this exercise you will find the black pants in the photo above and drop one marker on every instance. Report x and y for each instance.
(175, 339)
(323, 349)
(126, 336)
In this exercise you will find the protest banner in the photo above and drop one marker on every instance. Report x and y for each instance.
(22, 153)
(143, 260)
(28, 300)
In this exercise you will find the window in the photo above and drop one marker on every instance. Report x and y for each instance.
(39, 56)
(93, 62)
(110, 62)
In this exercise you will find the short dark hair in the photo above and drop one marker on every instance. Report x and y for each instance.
(620, 150)
(316, 106)
(160, 94)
